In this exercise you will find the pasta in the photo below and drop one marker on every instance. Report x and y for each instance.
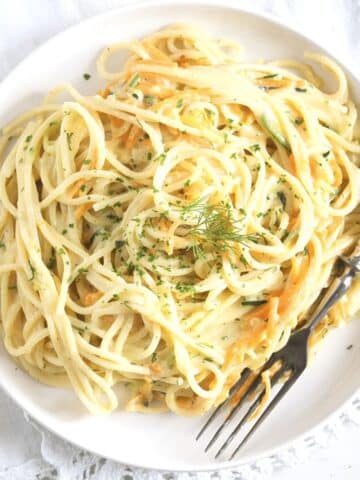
(173, 229)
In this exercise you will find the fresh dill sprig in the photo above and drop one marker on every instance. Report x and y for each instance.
(216, 228)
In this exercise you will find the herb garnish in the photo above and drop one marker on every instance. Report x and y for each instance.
(216, 228)
(253, 303)
(282, 198)
(119, 244)
(271, 75)
(185, 287)
(149, 100)
(86, 76)
(68, 139)
(33, 270)
(134, 81)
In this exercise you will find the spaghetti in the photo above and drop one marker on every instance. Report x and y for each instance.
(175, 228)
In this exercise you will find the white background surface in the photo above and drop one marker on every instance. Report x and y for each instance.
(24, 24)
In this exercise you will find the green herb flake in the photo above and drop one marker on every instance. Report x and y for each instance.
(253, 303)
(87, 76)
(254, 148)
(184, 287)
(33, 270)
(81, 271)
(282, 198)
(179, 103)
(68, 139)
(51, 262)
(28, 138)
(270, 75)
(134, 81)
(119, 244)
(149, 100)
(161, 158)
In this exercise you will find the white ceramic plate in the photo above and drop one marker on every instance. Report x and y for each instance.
(165, 441)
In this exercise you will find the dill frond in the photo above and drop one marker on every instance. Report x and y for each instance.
(216, 229)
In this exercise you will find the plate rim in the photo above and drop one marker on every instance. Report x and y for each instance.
(277, 22)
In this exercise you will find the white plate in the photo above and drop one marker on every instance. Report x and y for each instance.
(165, 441)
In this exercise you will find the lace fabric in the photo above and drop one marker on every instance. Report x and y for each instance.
(62, 461)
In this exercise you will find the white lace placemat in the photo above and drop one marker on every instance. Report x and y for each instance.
(28, 452)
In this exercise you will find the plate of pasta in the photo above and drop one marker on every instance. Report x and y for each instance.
(174, 196)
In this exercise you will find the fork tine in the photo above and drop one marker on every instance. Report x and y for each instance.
(233, 390)
(250, 410)
(284, 389)
(248, 392)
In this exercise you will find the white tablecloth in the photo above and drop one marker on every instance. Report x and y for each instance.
(27, 454)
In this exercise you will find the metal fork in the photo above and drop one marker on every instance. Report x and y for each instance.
(293, 361)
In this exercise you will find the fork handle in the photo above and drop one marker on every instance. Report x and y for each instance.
(336, 290)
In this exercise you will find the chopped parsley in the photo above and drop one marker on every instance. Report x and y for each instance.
(68, 139)
(161, 158)
(253, 303)
(33, 270)
(184, 287)
(254, 148)
(52, 261)
(149, 100)
(87, 76)
(270, 75)
(282, 198)
(134, 81)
